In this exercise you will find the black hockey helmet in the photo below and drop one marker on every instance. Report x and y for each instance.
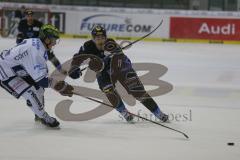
(98, 30)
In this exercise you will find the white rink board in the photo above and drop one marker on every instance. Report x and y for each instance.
(206, 82)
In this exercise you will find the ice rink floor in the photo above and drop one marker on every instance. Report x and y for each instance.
(204, 103)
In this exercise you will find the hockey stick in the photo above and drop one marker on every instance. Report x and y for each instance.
(92, 99)
(141, 38)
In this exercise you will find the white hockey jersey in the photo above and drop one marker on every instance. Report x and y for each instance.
(27, 58)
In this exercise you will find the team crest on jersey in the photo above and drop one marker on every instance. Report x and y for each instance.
(36, 43)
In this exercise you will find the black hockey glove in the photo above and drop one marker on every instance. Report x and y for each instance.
(64, 89)
(75, 72)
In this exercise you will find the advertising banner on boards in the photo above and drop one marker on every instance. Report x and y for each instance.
(121, 25)
(205, 28)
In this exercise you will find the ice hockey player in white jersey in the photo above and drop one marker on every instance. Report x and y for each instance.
(24, 72)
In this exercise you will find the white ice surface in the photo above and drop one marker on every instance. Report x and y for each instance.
(206, 79)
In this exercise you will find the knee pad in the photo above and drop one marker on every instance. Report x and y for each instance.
(134, 86)
(34, 98)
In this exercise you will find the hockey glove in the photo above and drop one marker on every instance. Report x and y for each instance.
(64, 89)
(75, 72)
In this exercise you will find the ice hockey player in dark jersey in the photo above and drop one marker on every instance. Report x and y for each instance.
(28, 27)
(117, 67)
